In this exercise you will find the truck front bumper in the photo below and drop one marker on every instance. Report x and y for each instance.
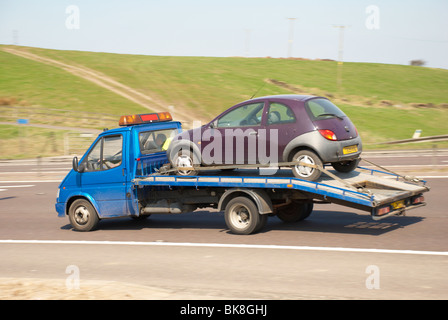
(60, 209)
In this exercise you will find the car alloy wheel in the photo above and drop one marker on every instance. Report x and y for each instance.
(306, 172)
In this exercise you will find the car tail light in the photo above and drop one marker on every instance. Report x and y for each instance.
(328, 134)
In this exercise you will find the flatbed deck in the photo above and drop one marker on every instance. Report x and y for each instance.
(364, 189)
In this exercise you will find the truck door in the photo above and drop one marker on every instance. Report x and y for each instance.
(104, 176)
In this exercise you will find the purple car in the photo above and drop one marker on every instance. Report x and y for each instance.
(270, 130)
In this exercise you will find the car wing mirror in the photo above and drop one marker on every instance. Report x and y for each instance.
(213, 124)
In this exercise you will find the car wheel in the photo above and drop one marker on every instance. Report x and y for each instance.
(305, 172)
(345, 166)
(184, 159)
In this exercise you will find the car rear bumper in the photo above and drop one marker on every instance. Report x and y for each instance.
(334, 150)
(328, 151)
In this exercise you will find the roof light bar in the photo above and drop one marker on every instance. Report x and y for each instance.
(134, 119)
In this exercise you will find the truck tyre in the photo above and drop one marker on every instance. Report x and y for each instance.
(295, 212)
(82, 215)
(304, 172)
(185, 159)
(345, 166)
(242, 216)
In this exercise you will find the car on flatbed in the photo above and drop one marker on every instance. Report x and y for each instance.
(273, 129)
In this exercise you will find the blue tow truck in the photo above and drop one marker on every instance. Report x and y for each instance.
(126, 173)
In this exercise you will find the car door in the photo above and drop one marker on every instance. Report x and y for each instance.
(281, 128)
(104, 176)
(238, 129)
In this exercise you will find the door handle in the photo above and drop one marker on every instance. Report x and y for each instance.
(253, 133)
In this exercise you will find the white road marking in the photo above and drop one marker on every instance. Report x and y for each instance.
(30, 181)
(19, 186)
(225, 245)
(32, 172)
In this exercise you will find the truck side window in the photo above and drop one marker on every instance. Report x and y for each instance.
(106, 154)
(156, 141)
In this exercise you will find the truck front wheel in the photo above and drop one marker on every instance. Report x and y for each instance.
(82, 215)
(242, 216)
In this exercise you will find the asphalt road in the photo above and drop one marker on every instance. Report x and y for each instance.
(337, 253)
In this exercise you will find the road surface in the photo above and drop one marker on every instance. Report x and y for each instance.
(337, 253)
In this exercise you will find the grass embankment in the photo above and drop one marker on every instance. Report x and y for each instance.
(379, 98)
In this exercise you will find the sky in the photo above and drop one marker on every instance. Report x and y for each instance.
(380, 31)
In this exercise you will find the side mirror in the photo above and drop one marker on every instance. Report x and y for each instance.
(76, 167)
(213, 124)
(75, 163)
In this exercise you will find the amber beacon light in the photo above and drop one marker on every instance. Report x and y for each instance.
(134, 119)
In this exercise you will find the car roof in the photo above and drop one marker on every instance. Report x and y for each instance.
(295, 97)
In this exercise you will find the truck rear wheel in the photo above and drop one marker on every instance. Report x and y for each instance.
(242, 216)
(295, 212)
(82, 215)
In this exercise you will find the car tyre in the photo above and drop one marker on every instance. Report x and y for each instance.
(184, 159)
(345, 166)
(304, 172)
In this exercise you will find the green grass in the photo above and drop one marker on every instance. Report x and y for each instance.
(213, 84)
(34, 83)
(18, 142)
(382, 124)
(206, 86)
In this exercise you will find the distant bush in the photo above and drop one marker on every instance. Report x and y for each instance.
(7, 101)
(418, 63)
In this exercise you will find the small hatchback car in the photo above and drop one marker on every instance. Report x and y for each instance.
(271, 130)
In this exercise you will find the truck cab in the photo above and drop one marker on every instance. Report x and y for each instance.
(101, 180)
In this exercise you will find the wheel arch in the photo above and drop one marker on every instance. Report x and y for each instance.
(311, 141)
(296, 149)
(85, 197)
(182, 145)
(259, 197)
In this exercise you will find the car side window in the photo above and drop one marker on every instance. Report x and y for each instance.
(244, 116)
(106, 154)
(279, 114)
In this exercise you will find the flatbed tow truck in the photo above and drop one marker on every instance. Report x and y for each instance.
(118, 177)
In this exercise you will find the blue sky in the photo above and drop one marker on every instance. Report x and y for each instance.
(406, 30)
